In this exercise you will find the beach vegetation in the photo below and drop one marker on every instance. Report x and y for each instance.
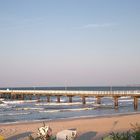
(133, 134)
(136, 131)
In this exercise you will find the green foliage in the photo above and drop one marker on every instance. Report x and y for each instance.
(120, 136)
(134, 134)
(136, 131)
(107, 138)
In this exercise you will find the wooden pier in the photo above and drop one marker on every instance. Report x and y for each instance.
(21, 94)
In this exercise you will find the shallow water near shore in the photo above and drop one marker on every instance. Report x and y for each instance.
(32, 110)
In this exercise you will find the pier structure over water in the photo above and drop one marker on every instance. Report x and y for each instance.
(21, 94)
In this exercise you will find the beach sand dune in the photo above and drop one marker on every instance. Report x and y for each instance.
(87, 128)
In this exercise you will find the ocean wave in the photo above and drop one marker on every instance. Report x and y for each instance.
(65, 110)
(105, 104)
(49, 111)
(61, 100)
(78, 109)
(130, 100)
(29, 108)
(30, 101)
(126, 97)
(15, 114)
(3, 105)
(1, 99)
(13, 102)
(57, 104)
(69, 118)
(20, 102)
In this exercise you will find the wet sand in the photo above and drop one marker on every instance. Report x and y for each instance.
(87, 128)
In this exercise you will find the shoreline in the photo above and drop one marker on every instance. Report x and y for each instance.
(97, 126)
(71, 118)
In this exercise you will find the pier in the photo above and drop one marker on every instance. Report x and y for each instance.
(21, 94)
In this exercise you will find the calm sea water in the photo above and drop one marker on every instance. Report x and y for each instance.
(103, 88)
(32, 110)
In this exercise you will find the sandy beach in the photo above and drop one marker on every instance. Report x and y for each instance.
(87, 128)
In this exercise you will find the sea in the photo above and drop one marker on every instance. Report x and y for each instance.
(15, 111)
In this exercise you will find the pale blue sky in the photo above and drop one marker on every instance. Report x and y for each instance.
(69, 42)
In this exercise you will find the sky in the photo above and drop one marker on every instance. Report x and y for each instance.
(69, 43)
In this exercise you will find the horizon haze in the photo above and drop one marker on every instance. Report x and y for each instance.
(69, 43)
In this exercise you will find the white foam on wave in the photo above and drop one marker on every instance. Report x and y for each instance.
(15, 114)
(20, 102)
(106, 97)
(125, 97)
(3, 105)
(30, 101)
(63, 100)
(57, 104)
(106, 104)
(13, 102)
(93, 102)
(65, 110)
(129, 100)
(49, 111)
(79, 109)
(30, 108)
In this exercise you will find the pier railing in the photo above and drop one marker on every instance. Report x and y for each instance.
(74, 93)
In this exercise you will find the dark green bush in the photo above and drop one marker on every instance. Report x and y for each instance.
(120, 136)
(135, 131)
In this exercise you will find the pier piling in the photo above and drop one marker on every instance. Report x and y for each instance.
(83, 100)
(70, 99)
(58, 99)
(116, 102)
(22, 97)
(135, 103)
(98, 101)
(38, 98)
(48, 99)
(30, 97)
